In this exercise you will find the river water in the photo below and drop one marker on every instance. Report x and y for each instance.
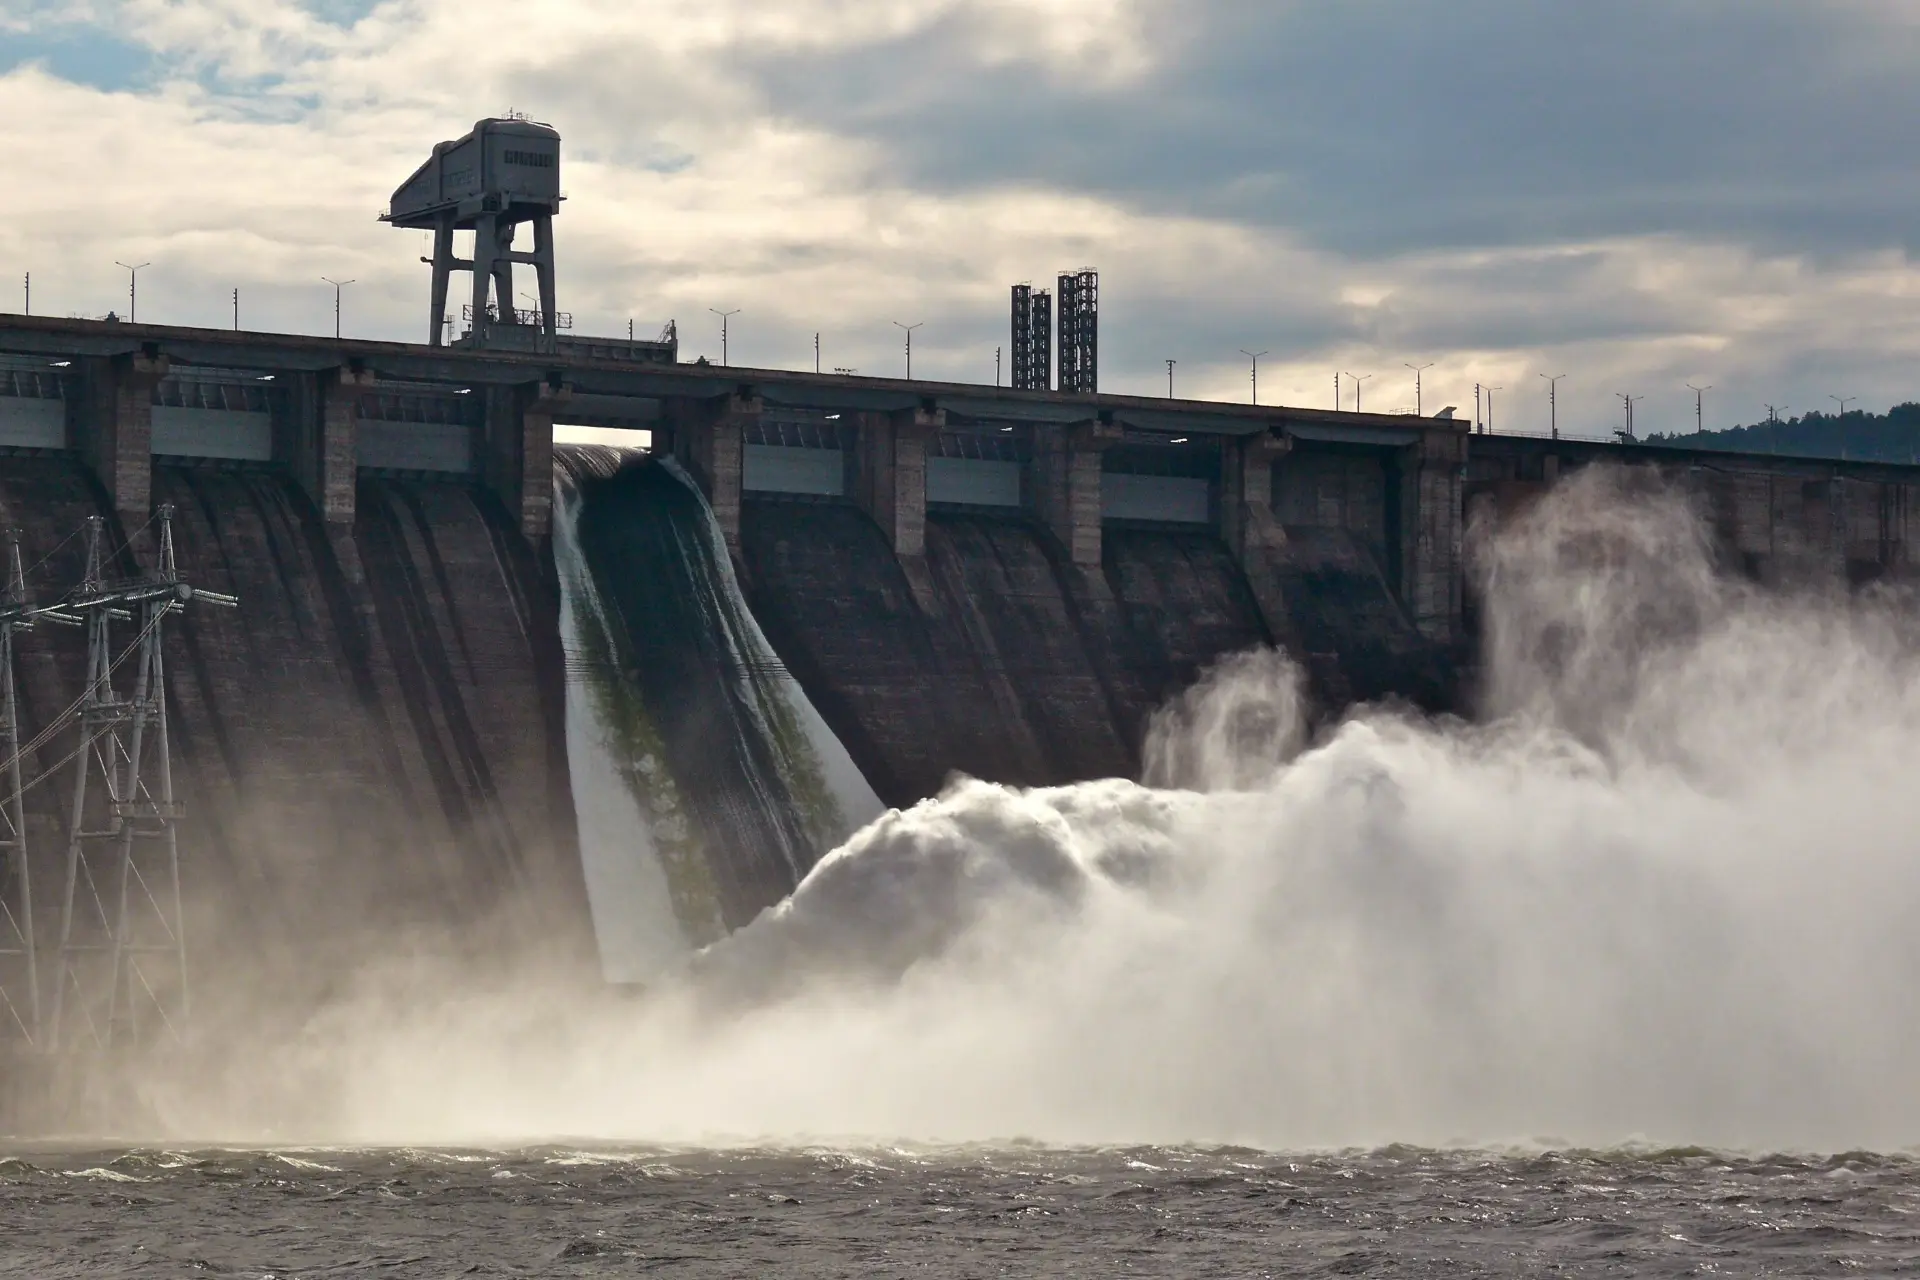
(977, 1211)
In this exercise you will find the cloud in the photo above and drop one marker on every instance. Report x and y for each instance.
(1639, 194)
(1379, 128)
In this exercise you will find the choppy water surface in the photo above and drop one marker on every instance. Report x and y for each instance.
(970, 1212)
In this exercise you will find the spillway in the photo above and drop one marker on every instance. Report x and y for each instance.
(707, 785)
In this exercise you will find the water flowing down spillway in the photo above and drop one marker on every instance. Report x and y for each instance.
(706, 784)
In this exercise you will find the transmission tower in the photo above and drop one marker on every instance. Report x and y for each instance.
(19, 980)
(122, 963)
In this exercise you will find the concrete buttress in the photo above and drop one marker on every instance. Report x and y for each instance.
(891, 486)
(1430, 474)
(707, 439)
(1247, 524)
(892, 483)
(1067, 496)
(113, 429)
(519, 450)
(315, 437)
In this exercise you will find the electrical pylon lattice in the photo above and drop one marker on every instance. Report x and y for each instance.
(19, 976)
(121, 969)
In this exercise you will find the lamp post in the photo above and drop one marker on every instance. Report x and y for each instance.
(909, 328)
(1357, 379)
(1490, 391)
(133, 286)
(1419, 403)
(1170, 365)
(1553, 403)
(724, 317)
(1629, 401)
(1699, 407)
(1255, 357)
(338, 285)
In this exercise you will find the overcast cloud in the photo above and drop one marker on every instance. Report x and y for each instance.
(1638, 193)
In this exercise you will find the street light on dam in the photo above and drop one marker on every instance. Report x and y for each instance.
(338, 285)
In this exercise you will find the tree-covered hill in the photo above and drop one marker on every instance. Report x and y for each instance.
(1858, 436)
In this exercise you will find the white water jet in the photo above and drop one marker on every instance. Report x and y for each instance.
(632, 811)
(770, 689)
(634, 924)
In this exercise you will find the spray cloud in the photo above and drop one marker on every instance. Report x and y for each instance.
(1663, 890)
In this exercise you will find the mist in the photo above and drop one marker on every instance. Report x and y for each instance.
(1662, 890)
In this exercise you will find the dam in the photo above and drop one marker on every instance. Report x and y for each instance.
(927, 578)
(948, 578)
(514, 704)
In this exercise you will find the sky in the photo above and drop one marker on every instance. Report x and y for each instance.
(1638, 195)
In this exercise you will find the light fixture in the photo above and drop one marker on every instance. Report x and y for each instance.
(461, 391)
(1179, 440)
(61, 364)
(1006, 428)
(833, 417)
(266, 377)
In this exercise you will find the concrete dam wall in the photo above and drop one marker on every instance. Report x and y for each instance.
(427, 731)
(492, 699)
(372, 747)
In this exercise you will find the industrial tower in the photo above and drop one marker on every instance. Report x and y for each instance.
(1080, 331)
(503, 173)
(1032, 339)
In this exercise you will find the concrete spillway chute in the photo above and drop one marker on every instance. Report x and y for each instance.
(500, 175)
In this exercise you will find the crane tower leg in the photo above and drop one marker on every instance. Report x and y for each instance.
(442, 269)
(543, 269)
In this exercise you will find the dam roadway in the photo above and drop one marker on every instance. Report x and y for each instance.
(961, 578)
